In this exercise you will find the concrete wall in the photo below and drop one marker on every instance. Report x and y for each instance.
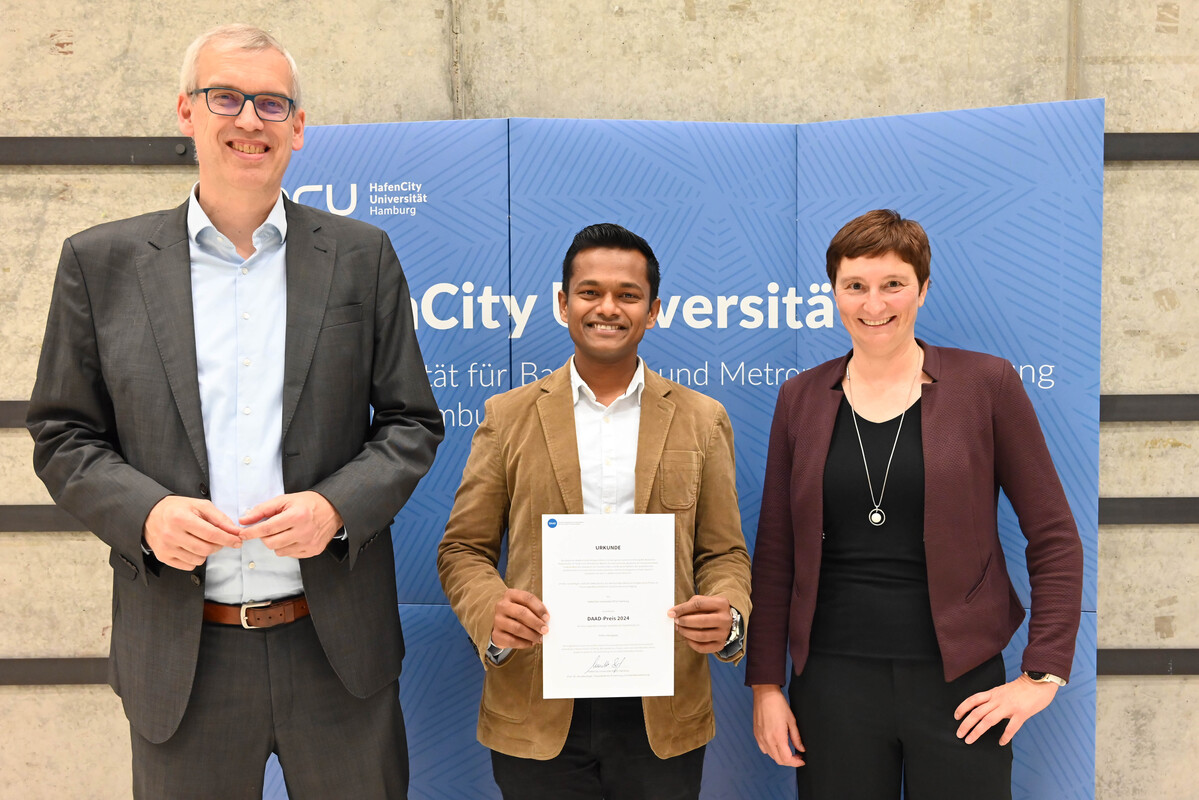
(110, 68)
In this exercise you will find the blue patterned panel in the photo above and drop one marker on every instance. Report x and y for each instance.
(740, 216)
(440, 691)
(440, 190)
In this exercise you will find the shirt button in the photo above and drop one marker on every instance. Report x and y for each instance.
(246, 410)
(607, 509)
(245, 315)
(245, 271)
(607, 462)
(607, 420)
(195, 580)
(245, 362)
(246, 460)
(251, 565)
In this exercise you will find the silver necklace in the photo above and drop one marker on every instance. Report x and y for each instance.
(877, 516)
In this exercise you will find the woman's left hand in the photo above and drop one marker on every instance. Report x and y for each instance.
(1015, 701)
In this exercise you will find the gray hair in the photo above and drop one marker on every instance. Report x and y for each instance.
(236, 36)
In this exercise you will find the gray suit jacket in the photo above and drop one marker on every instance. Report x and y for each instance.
(116, 420)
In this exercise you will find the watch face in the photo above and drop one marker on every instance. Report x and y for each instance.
(1037, 676)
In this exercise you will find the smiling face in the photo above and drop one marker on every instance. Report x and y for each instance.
(240, 153)
(606, 307)
(877, 297)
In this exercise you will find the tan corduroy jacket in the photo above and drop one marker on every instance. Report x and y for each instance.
(524, 463)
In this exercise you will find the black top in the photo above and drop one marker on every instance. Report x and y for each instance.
(873, 595)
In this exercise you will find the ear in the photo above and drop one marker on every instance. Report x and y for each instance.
(562, 305)
(924, 291)
(297, 129)
(654, 308)
(184, 108)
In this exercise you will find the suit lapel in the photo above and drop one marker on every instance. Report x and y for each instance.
(555, 408)
(657, 410)
(164, 274)
(310, 259)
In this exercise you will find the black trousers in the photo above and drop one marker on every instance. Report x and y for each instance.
(871, 725)
(606, 757)
(263, 691)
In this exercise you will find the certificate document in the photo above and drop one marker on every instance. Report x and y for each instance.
(607, 582)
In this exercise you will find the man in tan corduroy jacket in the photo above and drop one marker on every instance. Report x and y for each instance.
(602, 434)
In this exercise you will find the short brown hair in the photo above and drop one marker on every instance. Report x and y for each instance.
(877, 233)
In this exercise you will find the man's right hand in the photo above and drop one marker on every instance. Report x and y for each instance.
(184, 531)
(520, 620)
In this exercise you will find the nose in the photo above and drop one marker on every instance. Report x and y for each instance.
(607, 305)
(247, 118)
(874, 302)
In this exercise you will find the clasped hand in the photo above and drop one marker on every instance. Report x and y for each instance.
(183, 531)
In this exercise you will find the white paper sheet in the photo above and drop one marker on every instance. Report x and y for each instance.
(607, 582)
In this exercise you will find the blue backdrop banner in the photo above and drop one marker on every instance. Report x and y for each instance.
(482, 211)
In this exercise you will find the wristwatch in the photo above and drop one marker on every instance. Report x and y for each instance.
(1045, 677)
(735, 630)
(496, 654)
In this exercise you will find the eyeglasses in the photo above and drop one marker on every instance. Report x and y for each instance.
(230, 102)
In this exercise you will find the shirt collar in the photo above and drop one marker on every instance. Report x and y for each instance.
(200, 229)
(579, 388)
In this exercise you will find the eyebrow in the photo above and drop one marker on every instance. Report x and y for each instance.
(622, 284)
(893, 276)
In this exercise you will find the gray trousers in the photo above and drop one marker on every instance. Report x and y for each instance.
(273, 691)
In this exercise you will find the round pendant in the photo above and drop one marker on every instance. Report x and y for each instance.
(876, 517)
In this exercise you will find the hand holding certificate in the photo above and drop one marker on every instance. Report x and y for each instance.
(608, 581)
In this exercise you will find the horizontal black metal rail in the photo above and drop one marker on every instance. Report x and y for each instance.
(179, 150)
(89, 151)
(1151, 147)
(1112, 408)
(53, 671)
(89, 671)
(1147, 511)
(1149, 408)
(1147, 662)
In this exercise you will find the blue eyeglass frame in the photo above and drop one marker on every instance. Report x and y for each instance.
(246, 98)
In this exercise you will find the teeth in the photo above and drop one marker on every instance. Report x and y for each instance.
(248, 148)
(603, 327)
(870, 324)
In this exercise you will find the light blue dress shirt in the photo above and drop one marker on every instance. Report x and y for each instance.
(240, 311)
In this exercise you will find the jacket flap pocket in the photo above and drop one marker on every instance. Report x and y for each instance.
(678, 475)
(342, 315)
(122, 566)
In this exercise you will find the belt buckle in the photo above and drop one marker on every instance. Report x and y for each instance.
(244, 606)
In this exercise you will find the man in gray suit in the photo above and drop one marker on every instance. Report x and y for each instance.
(204, 405)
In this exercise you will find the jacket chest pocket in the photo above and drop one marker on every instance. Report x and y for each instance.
(678, 477)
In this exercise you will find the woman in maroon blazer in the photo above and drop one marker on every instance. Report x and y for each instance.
(878, 564)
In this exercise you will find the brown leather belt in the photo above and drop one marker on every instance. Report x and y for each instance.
(266, 614)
